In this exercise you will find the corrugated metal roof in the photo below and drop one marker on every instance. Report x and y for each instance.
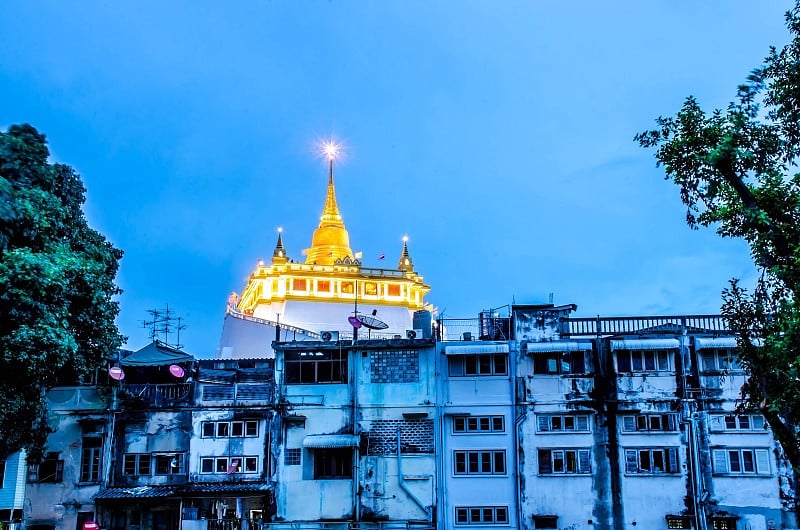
(328, 441)
(225, 487)
(558, 345)
(477, 348)
(715, 342)
(645, 344)
(139, 492)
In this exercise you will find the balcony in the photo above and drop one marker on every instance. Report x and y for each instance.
(158, 395)
(604, 326)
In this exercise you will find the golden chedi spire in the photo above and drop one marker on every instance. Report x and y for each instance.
(279, 254)
(330, 241)
(405, 263)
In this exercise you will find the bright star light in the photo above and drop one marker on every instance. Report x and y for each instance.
(330, 149)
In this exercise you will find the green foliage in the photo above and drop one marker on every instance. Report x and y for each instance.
(736, 170)
(56, 287)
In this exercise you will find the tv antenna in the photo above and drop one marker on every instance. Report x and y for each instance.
(162, 324)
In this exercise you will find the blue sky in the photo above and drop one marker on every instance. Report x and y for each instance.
(497, 135)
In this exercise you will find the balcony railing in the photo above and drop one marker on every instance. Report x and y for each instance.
(494, 328)
(592, 327)
(160, 394)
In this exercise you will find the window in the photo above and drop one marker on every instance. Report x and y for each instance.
(723, 523)
(90, 459)
(324, 286)
(169, 464)
(470, 424)
(735, 461)
(545, 521)
(479, 462)
(229, 464)
(371, 288)
(649, 422)
(315, 367)
(333, 463)
(483, 364)
(741, 422)
(720, 360)
(393, 290)
(136, 464)
(559, 363)
(50, 469)
(643, 360)
(679, 521)
(230, 429)
(562, 423)
(292, 457)
(466, 515)
(347, 287)
(564, 461)
(650, 460)
(298, 284)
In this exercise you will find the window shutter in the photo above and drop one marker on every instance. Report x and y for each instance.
(720, 461)
(582, 423)
(543, 422)
(758, 422)
(631, 461)
(762, 461)
(584, 464)
(673, 460)
(628, 423)
(670, 422)
(545, 466)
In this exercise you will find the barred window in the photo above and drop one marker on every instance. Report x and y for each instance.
(308, 367)
(230, 429)
(229, 464)
(559, 363)
(737, 422)
(292, 456)
(643, 360)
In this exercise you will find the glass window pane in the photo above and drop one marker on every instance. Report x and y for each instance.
(735, 464)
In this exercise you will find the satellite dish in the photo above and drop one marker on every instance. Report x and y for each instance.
(411, 334)
(327, 336)
(354, 321)
(116, 373)
(372, 322)
(176, 370)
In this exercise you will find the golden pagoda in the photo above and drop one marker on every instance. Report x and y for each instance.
(293, 293)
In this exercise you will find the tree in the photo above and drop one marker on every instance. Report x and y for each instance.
(57, 286)
(736, 170)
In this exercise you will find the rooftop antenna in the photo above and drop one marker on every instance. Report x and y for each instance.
(551, 299)
(162, 324)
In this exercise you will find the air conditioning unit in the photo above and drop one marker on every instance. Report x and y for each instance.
(413, 333)
(329, 336)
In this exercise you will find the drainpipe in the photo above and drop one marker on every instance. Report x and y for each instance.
(402, 481)
(357, 456)
(697, 479)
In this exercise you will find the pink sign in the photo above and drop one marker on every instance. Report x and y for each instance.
(176, 370)
(115, 372)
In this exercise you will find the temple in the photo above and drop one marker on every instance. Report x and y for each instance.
(313, 298)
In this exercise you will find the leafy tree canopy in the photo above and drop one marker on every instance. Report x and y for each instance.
(56, 286)
(737, 170)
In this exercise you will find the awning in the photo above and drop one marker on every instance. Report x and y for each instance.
(645, 344)
(559, 345)
(140, 492)
(715, 342)
(330, 441)
(156, 354)
(477, 348)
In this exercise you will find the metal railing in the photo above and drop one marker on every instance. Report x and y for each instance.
(495, 328)
(345, 525)
(574, 327)
(160, 394)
